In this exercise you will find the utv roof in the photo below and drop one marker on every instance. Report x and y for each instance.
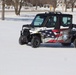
(54, 13)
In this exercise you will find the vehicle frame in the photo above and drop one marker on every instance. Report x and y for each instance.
(52, 27)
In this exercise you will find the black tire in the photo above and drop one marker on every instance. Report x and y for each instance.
(74, 43)
(23, 40)
(35, 42)
(66, 44)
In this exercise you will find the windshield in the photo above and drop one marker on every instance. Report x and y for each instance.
(38, 21)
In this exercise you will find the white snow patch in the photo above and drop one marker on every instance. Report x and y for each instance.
(48, 59)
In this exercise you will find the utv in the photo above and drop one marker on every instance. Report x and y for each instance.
(49, 27)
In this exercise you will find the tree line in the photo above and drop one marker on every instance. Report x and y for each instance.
(17, 4)
(71, 3)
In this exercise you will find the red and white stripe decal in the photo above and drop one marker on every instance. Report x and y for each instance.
(58, 30)
(57, 34)
(54, 41)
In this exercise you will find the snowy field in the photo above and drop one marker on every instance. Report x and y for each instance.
(48, 59)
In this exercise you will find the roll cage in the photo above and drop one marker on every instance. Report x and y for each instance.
(52, 20)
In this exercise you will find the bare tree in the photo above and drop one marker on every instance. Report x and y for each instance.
(72, 4)
(35, 3)
(8, 2)
(17, 6)
(3, 9)
(66, 2)
(53, 3)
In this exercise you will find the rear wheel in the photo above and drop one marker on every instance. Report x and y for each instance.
(66, 44)
(23, 40)
(75, 43)
(35, 42)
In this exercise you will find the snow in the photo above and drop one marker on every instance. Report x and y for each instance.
(48, 59)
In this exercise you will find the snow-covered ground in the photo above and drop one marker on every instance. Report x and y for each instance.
(48, 59)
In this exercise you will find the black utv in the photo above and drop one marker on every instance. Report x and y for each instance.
(49, 27)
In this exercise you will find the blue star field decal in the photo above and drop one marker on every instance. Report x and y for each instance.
(47, 34)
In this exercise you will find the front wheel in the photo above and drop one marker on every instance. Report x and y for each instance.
(23, 40)
(75, 43)
(35, 42)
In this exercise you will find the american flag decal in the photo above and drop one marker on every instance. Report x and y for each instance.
(47, 34)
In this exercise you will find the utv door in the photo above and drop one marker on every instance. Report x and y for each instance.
(51, 25)
(65, 27)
